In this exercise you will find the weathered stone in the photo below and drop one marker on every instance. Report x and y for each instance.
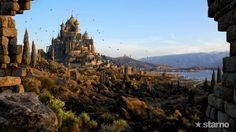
(224, 92)
(235, 96)
(230, 109)
(8, 32)
(16, 49)
(229, 64)
(216, 102)
(222, 117)
(4, 40)
(20, 72)
(9, 81)
(233, 48)
(3, 21)
(134, 106)
(229, 80)
(19, 89)
(213, 114)
(13, 41)
(227, 20)
(18, 59)
(10, 5)
(208, 111)
(232, 123)
(4, 59)
(5, 50)
(21, 112)
(231, 33)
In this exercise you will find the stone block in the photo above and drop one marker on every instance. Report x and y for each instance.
(4, 59)
(233, 48)
(231, 33)
(20, 72)
(230, 109)
(4, 49)
(224, 92)
(18, 59)
(229, 80)
(208, 111)
(8, 32)
(222, 117)
(227, 20)
(4, 40)
(13, 41)
(229, 64)
(232, 123)
(10, 5)
(19, 89)
(9, 81)
(213, 114)
(4, 21)
(216, 102)
(235, 96)
(16, 49)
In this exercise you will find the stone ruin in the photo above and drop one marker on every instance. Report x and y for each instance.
(10, 52)
(222, 103)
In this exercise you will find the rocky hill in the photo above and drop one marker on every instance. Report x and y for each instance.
(127, 61)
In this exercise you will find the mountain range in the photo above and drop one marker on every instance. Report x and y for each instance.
(206, 60)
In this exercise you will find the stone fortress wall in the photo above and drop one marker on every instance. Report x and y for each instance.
(10, 52)
(222, 103)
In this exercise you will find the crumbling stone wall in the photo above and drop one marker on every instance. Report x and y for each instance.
(222, 103)
(10, 52)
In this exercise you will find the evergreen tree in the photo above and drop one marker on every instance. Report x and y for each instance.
(219, 75)
(26, 49)
(33, 55)
(213, 80)
(206, 84)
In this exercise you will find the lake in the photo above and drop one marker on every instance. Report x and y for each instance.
(198, 75)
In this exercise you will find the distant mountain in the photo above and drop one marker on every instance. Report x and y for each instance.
(127, 61)
(209, 60)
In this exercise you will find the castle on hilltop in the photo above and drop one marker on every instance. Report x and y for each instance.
(73, 47)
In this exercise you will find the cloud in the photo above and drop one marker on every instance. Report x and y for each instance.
(141, 49)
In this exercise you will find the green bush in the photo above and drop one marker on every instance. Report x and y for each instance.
(85, 118)
(92, 124)
(108, 118)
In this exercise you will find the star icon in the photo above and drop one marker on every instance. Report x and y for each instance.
(198, 124)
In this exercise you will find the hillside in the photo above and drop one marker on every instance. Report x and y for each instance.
(213, 59)
(127, 61)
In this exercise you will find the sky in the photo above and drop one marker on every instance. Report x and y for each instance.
(136, 28)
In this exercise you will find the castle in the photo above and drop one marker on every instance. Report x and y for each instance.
(73, 47)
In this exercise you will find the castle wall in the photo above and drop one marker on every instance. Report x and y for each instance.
(222, 103)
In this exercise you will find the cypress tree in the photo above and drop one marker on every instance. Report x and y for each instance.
(219, 75)
(33, 55)
(26, 49)
(213, 80)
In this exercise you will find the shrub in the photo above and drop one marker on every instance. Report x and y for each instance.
(117, 126)
(92, 124)
(32, 85)
(108, 118)
(120, 124)
(85, 118)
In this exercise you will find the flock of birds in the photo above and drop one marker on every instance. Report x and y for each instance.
(42, 30)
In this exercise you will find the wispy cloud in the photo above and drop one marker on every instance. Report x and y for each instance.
(141, 49)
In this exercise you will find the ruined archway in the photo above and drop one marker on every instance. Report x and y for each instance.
(222, 103)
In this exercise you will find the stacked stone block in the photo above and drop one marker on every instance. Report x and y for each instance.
(10, 52)
(222, 103)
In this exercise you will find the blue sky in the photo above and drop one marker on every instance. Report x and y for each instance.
(138, 28)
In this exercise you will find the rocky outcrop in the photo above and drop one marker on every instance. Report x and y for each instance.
(24, 112)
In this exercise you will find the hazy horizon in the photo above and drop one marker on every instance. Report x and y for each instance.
(137, 29)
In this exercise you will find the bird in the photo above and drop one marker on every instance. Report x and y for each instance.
(50, 9)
